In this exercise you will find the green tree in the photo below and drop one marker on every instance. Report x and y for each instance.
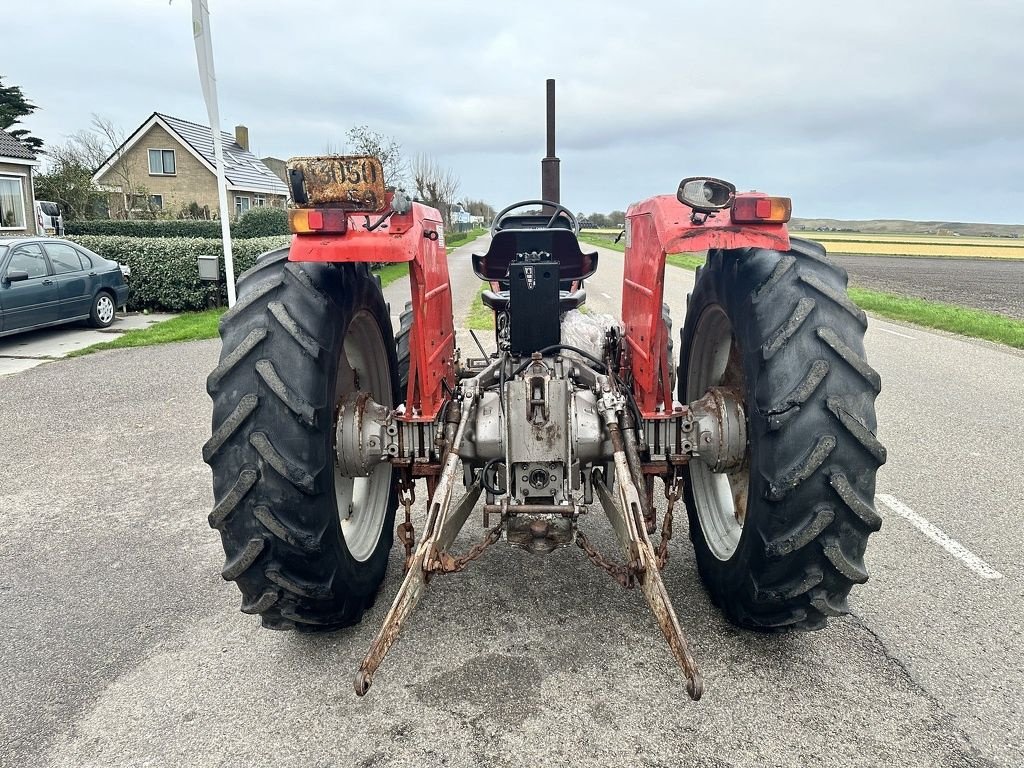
(13, 107)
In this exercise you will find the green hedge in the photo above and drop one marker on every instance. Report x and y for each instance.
(165, 270)
(145, 228)
(265, 221)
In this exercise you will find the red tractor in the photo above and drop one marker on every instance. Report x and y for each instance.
(324, 419)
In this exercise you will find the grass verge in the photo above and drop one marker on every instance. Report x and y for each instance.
(682, 260)
(391, 272)
(454, 239)
(944, 317)
(480, 318)
(191, 326)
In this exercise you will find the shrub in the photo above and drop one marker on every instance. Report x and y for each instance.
(145, 228)
(264, 221)
(165, 270)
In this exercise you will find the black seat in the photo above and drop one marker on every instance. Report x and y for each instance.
(567, 300)
(559, 244)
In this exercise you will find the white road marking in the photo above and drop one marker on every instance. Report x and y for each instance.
(605, 295)
(940, 537)
(895, 333)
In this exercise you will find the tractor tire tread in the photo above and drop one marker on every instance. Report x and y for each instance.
(814, 451)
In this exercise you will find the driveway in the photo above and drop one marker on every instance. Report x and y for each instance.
(27, 350)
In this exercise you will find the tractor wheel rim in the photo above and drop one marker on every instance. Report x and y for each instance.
(720, 497)
(105, 309)
(362, 501)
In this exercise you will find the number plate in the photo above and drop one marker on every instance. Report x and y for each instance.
(353, 182)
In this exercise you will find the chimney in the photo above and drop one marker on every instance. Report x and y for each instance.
(242, 137)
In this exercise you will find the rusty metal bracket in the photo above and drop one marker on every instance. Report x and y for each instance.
(436, 535)
(673, 490)
(626, 516)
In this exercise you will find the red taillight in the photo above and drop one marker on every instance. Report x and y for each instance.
(306, 221)
(761, 210)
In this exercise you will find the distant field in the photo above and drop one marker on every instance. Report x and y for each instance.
(860, 243)
(917, 245)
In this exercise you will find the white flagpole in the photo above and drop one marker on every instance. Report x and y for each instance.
(204, 56)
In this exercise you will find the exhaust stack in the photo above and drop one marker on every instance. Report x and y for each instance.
(549, 181)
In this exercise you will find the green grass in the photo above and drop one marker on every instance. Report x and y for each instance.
(944, 317)
(191, 326)
(454, 239)
(391, 272)
(480, 318)
(682, 260)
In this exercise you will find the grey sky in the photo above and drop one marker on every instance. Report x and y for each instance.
(898, 109)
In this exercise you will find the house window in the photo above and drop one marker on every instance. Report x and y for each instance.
(241, 204)
(259, 201)
(12, 204)
(156, 202)
(161, 162)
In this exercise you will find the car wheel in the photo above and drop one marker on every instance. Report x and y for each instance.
(103, 310)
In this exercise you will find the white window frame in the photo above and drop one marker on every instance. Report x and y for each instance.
(149, 160)
(238, 204)
(156, 206)
(21, 198)
(258, 201)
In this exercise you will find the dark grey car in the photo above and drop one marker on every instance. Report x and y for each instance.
(46, 281)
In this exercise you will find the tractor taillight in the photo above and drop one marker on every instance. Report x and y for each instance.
(316, 221)
(761, 210)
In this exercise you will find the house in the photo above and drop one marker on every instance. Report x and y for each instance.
(167, 164)
(17, 202)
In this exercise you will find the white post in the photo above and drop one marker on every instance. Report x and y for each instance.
(208, 78)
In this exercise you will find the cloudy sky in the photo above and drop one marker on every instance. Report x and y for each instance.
(896, 109)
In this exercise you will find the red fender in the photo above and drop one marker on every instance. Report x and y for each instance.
(654, 228)
(416, 237)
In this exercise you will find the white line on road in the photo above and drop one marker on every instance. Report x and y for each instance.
(895, 333)
(940, 537)
(605, 295)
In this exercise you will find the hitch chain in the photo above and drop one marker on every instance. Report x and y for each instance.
(445, 562)
(621, 573)
(406, 532)
(673, 490)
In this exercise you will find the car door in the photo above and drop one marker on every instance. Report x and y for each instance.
(75, 286)
(33, 301)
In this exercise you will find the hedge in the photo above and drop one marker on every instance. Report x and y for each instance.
(264, 221)
(165, 270)
(145, 228)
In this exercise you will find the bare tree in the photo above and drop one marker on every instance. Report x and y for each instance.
(106, 139)
(435, 185)
(361, 140)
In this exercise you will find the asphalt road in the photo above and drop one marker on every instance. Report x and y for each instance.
(122, 646)
(995, 285)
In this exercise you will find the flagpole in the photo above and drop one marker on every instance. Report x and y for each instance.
(208, 79)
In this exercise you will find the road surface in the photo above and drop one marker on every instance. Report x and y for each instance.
(122, 646)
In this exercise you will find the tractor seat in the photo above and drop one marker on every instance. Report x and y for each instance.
(561, 245)
(567, 300)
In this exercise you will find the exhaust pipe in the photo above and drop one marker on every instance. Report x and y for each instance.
(549, 182)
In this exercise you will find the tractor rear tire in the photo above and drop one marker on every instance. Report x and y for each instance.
(299, 337)
(784, 551)
(402, 344)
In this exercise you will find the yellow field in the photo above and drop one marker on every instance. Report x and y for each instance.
(918, 245)
(860, 243)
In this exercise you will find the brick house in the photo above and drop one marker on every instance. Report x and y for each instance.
(171, 162)
(17, 202)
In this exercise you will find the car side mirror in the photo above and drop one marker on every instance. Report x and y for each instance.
(15, 276)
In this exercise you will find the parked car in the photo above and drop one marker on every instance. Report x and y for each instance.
(49, 219)
(46, 281)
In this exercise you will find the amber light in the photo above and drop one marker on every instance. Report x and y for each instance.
(305, 221)
(761, 210)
